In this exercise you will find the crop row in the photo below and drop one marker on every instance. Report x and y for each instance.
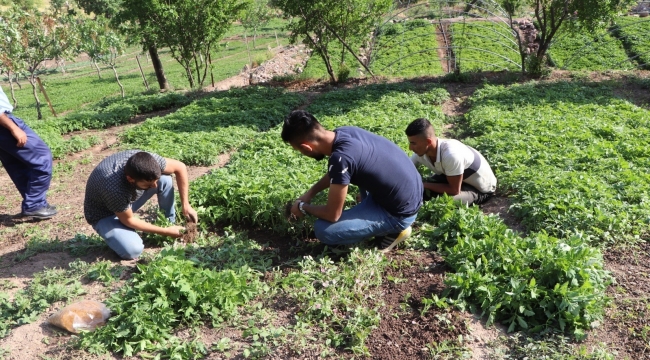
(573, 156)
(484, 45)
(199, 132)
(265, 173)
(408, 49)
(633, 32)
(586, 51)
(106, 113)
(535, 283)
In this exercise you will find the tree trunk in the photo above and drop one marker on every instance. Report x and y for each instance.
(249, 52)
(118, 79)
(158, 68)
(32, 81)
(97, 67)
(11, 87)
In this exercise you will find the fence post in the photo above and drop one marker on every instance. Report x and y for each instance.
(40, 85)
(144, 78)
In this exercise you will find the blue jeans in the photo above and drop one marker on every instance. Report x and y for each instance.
(29, 167)
(363, 221)
(124, 240)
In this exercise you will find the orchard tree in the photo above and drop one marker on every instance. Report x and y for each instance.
(102, 44)
(107, 8)
(320, 22)
(44, 37)
(256, 15)
(551, 15)
(190, 28)
(11, 48)
(125, 16)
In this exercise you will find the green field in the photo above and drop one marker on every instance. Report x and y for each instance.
(484, 46)
(580, 51)
(407, 50)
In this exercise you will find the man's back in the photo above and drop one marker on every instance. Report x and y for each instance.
(377, 165)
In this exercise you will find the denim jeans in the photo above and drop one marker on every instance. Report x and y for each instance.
(124, 240)
(363, 221)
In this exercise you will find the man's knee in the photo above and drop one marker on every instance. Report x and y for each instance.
(126, 244)
(133, 251)
(165, 183)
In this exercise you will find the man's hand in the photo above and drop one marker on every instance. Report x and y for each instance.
(295, 210)
(175, 231)
(190, 214)
(20, 136)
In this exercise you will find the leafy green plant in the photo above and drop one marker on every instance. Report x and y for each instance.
(46, 287)
(168, 292)
(104, 271)
(533, 283)
(334, 297)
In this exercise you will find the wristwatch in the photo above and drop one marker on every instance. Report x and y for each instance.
(301, 209)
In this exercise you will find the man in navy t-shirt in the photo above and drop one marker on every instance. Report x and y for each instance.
(390, 186)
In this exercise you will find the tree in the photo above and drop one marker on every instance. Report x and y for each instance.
(320, 22)
(107, 8)
(190, 34)
(124, 16)
(256, 15)
(44, 37)
(102, 44)
(551, 15)
(11, 48)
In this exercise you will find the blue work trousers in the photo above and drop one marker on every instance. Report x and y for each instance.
(363, 221)
(29, 167)
(124, 240)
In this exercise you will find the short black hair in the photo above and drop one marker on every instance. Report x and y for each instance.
(299, 126)
(142, 166)
(418, 127)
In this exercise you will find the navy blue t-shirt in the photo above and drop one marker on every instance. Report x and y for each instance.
(377, 165)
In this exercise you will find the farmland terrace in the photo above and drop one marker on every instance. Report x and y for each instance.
(554, 266)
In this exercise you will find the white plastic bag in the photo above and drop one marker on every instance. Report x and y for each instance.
(82, 315)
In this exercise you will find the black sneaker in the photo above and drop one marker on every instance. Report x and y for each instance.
(388, 242)
(45, 212)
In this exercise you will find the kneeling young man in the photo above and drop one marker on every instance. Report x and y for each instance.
(390, 186)
(120, 185)
(460, 171)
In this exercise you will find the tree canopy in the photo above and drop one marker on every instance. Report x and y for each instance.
(320, 22)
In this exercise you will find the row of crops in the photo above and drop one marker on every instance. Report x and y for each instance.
(414, 48)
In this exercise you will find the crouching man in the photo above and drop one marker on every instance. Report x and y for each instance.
(459, 170)
(120, 185)
(390, 186)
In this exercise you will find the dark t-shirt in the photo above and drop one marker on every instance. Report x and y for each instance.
(107, 190)
(377, 165)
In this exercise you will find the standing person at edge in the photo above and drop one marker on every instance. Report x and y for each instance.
(28, 162)
(120, 185)
(390, 186)
(460, 171)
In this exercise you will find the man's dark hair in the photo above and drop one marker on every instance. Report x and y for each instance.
(142, 166)
(299, 126)
(419, 126)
